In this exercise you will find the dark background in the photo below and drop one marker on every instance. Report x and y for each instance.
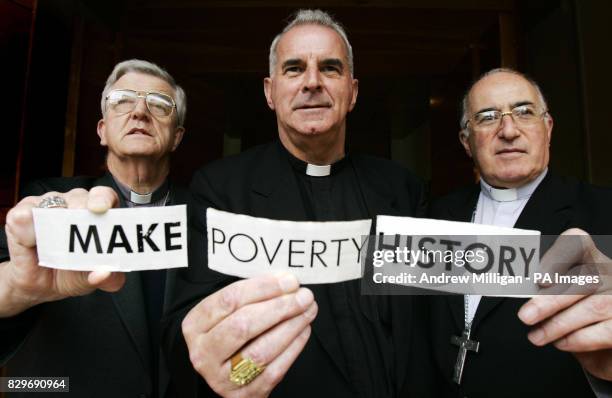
(414, 59)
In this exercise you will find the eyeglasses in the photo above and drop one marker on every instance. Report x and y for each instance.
(522, 115)
(125, 101)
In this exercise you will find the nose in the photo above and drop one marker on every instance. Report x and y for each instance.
(140, 111)
(312, 79)
(508, 129)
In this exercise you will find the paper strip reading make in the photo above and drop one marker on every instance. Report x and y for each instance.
(315, 252)
(119, 240)
(456, 257)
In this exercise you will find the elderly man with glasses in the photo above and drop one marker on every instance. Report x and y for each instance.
(100, 329)
(542, 347)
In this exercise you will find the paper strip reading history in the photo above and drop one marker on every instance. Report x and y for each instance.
(456, 257)
(124, 240)
(315, 252)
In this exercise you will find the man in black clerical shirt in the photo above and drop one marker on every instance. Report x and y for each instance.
(325, 340)
(77, 324)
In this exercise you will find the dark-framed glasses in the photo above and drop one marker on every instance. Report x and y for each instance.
(124, 101)
(522, 115)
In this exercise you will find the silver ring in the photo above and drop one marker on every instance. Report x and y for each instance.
(53, 202)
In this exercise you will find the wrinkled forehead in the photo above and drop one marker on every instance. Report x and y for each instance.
(143, 82)
(311, 41)
(502, 91)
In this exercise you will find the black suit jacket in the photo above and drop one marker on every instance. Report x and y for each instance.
(260, 182)
(101, 340)
(507, 364)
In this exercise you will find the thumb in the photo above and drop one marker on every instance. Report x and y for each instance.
(105, 280)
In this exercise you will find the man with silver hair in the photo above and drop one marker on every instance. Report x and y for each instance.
(267, 335)
(546, 350)
(100, 329)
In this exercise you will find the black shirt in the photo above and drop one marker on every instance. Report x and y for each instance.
(338, 197)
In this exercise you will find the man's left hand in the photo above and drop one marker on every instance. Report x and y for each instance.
(577, 323)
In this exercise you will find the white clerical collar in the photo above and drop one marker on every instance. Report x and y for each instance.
(314, 170)
(140, 199)
(143, 199)
(511, 194)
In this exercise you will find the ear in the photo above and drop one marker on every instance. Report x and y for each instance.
(102, 132)
(355, 86)
(268, 92)
(548, 120)
(464, 138)
(178, 137)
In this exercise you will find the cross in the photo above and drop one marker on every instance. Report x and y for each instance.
(465, 345)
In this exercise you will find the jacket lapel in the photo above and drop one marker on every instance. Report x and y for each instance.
(463, 210)
(380, 199)
(465, 206)
(130, 305)
(129, 300)
(377, 196)
(550, 208)
(275, 194)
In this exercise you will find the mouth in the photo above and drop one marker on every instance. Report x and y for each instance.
(509, 151)
(312, 106)
(139, 131)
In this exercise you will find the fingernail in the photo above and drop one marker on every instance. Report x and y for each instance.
(288, 283)
(528, 314)
(311, 312)
(96, 277)
(536, 336)
(97, 205)
(304, 297)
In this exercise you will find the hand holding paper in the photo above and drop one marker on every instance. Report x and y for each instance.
(23, 283)
(579, 323)
(265, 318)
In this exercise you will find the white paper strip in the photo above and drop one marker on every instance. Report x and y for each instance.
(390, 225)
(509, 257)
(124, 240)
(315, 252)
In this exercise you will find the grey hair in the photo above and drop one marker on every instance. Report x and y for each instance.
(465, 102)
(147, 68)
(312, 17)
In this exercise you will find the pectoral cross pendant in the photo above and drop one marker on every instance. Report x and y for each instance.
(465, 345)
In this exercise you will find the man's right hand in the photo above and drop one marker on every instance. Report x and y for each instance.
(23, 283)
(266, 319)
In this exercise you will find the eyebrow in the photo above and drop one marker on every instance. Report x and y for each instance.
(333, 62)
(512, 106)
(521, 103)
(292, 62)
(326, 62)
(486, 110)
